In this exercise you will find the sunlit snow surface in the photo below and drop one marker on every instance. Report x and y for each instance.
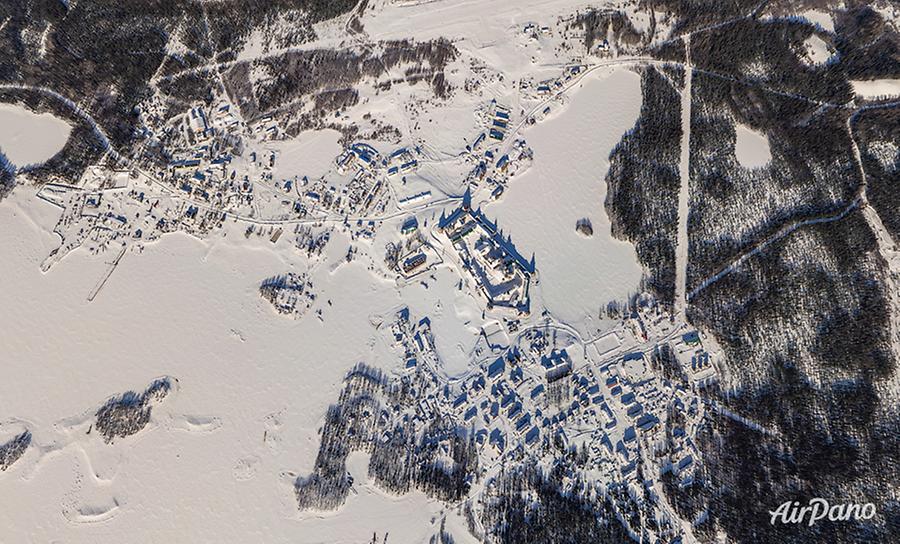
(310, 154)
(877, 88)
(752, 147)
(253, 388)
(820, 18)
(28, 138)
(817, 51)
(578, 275)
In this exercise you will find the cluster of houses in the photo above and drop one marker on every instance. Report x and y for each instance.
(494, 173)
(695, 360)
(546, 391)
(209, 166)
(499, 271)
(400, 162)
(211, 176)
(492, 167)
(619, 412)
(200, 125)
(649, 420)
(368, 189)
(547, 87)
(212, 169)
(571, 403)
(413, 252)
(682, 451)
(208, 170)
(362, 156)
(638, 399)
(415, 339)
(497, 120)
(206, 175)
(110, 210)
(533, 30)
(533, 394)
(496, 402)
(359, 156)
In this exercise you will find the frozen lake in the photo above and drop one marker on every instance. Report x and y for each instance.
(255, 385)
(28, 138)
(566, 183)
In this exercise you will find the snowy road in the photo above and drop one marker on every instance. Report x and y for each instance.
(682, 244)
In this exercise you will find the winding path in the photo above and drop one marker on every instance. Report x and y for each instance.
(760, 246)
(887, 247)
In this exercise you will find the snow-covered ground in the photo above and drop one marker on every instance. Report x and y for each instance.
(28, 138)
(455, 317)
(817, 50)
(578, 275)
(876, 88)
(751, 148)
(820, 18)
(310, 154)
(253, 387)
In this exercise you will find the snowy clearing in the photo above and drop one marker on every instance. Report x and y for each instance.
(817, 51)
(310, 154)
(876, 88)
(820, 18)
(752, 148)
